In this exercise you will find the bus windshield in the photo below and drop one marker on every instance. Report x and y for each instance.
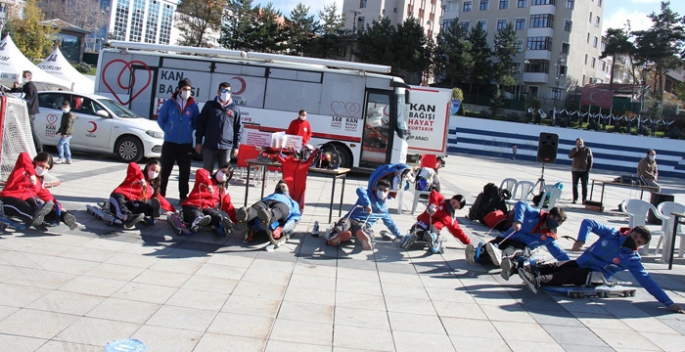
(402, 116)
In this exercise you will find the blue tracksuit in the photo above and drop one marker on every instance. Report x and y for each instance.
(609, 256)
(530, 232)
(178, 127)
(285, 199)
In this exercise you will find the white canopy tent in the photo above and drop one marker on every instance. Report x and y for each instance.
(57, 65)
(13, 63)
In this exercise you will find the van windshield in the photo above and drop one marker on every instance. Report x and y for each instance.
(118, 109)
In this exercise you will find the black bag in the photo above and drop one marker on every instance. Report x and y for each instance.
(491, 199)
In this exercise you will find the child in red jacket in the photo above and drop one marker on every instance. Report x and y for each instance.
(138, 196)
(208, 197)
(20, 196)
(439, 214)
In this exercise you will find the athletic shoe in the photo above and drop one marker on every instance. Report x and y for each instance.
(132, 220)
(495, 253)
(200, 222)
(315, 229)
(479, 251)
(53, 223)
(264, 216)
(70, 220)
(408, 240)
(40, 213)
(529, 278)
(437, 246)
(430, 238)
(60, 161)
(68, 162)
(470, 254)
(149, 220)
(336, 238)
(506, 269)
(364, 238)
(226, 226)
(241, 216)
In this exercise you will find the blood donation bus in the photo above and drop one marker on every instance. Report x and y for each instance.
(355, 108)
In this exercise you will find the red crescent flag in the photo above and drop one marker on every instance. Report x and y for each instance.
(596, 97)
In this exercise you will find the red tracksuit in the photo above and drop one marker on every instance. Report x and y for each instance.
(19, 185)
(300, 128)
(442, 219)
(133, 190)
(295, 176)
(202, 197)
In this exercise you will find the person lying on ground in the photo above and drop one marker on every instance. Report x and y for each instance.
(275, 212)
(439, 214)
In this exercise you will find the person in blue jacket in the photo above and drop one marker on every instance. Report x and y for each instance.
(275, 212)
(178, 118)
(370, 207)
(531, 228)
(614, 251)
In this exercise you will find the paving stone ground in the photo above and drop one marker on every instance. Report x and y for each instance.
(78, 290)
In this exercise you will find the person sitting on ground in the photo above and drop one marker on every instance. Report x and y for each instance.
(138, 196)
(57, 214)
(438, 214)
(20, 196)
(275, 212)
(370, 207)
(531, 228)
(208, 197)
(614, 251)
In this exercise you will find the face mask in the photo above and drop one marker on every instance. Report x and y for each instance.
(281, 190)
(25, 80)
(66, 110)
(221, 177)
(185, 94)
(225, 96)
(152, 174)
(302, 117)
(652, 157)
(551, 223)
(630, 243)
(381, 195)
(40, 171)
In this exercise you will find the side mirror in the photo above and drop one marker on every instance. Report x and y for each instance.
(406, 97)
(102, 113)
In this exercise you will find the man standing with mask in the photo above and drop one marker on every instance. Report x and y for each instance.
(31, 97)
(300, 127)
(178, 118)
(648, 170)
(219, 129)
(580, 168)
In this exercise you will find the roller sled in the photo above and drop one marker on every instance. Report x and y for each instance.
(101, 212)
(278, 234)
(182, 228)
(419, 238)
(595, 286)
(10, 223)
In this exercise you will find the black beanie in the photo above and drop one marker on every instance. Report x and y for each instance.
(184, 82)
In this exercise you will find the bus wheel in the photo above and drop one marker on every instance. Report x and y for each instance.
(343, 151)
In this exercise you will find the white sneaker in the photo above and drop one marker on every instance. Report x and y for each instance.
(59, 161)
(495, 254)
(200, 222)
(470, 254)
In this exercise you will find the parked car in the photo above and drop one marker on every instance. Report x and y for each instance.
(101, 125)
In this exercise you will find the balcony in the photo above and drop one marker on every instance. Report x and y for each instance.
(535, 77)
(543, 9)
(538, 55)
(541, 32)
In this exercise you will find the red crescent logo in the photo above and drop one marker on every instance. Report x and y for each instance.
(128, 67)
(95, 127)
(243, 85)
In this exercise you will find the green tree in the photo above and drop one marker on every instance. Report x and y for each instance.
(617, 43)
(269, 35)
(412, 50)
(375, 43)
(505, 49)
(331, 28)
(238, 29)
(195, 18)
(303, 29)
(481, 74)
(33, 39)
(453, 59)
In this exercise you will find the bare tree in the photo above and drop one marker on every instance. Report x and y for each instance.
(198, 18)
(86, 14)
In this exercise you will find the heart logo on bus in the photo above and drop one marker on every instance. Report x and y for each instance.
(341, 108)
(127, 67)
(52, 119)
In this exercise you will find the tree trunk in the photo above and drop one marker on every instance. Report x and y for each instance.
(611, 77)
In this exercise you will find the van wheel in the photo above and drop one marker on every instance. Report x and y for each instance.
(129, 149)
(343, 151)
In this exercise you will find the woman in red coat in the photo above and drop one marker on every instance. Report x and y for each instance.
(138, 196)
(208, 197)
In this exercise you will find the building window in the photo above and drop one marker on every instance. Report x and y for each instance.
(594, 61)
(136, 33)
(465, 25)
(541, 21)
(603, 66)
(501, 24)
(152, 19)
(597, 21)
(165, 27)
(599, 3)
(520, 23)
(583, 80)
(121, 19)
(533, 91)
(603, 46)
(594, 42)
(539, 43)
(588, 38)
(565, 48)
(467, 6)
(562, 70)
(522, 3)
(585, 59)
(543, 2)
(484, 4)
(568, 25)
(483, 24)
(503, 4)
(519, 43)
(446, 24)
(360, 22)
(362, 4)
(555, 93)
(590, 17)
(569, 4)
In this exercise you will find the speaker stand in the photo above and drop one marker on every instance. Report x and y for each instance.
(541, 180)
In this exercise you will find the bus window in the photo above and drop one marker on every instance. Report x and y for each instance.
(376, 139)
(402, 116)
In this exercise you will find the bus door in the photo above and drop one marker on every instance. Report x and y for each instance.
(378, 126)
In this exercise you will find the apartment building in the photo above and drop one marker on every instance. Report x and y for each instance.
(561, 39)
(359, 13)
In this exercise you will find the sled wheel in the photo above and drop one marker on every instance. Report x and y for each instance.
(109, 223)
(3, 227)
(632, 293)
(581, 295)
(575, 295)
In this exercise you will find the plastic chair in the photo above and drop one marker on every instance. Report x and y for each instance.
(637, 210)
(417, 197)
(552, 194)
(509, 184)
(666, 208)
(523, 191)
(246, 152)
(429, 160)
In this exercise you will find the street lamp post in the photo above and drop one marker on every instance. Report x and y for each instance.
(557, 94)
(354, 21)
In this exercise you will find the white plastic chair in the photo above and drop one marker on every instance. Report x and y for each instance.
(553, 194)
(417, 197)
(637, 210)
(509, 184)
(666, 208)
(523, 191)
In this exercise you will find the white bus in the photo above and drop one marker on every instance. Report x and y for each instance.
(355, 108)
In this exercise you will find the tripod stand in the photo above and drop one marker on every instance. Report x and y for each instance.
(541, 180)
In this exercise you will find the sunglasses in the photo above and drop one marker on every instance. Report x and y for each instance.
(225, 90)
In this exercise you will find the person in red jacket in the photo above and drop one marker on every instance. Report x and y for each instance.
(208, 197)
(438, 214)
(19, 197)
(57, 213)
(138, 196)
(300, 127)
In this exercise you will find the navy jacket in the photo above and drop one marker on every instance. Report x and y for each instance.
(31, 96)
(219, 128)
